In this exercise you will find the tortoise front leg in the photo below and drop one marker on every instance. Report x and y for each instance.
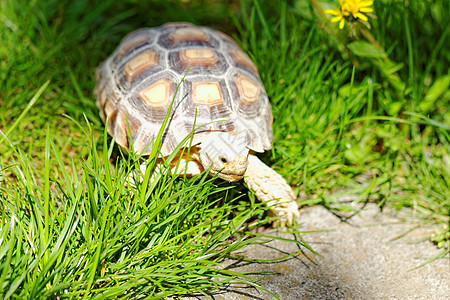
(273, 189)
(188, 167)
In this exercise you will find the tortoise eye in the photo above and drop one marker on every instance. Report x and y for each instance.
(223, 159)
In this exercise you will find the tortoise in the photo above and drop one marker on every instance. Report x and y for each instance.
(222, 95)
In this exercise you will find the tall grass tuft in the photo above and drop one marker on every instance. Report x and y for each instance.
(92, 235)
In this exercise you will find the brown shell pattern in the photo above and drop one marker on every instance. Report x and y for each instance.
(137, 83)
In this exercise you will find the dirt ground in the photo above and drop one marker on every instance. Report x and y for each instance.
(366, 257)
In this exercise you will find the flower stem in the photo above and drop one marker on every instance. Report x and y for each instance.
(334, 31)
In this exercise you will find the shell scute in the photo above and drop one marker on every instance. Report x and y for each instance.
(133, 43)
(209, 100)
(138, 68)
(250, 98)
(151, 99)
(248, 90)
(242, 60)
(198, 60)
(142, 139)
(186, 36)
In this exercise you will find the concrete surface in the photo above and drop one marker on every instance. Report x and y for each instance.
(366, 257)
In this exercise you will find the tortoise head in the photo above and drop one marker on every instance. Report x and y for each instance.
(224, 154)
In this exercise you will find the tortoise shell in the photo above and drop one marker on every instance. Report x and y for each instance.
(221, 92)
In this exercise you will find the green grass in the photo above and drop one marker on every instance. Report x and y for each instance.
(349, 120)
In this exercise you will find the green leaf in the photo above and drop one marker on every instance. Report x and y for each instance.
(439, 86)
(366, 49)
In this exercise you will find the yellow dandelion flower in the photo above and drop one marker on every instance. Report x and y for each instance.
(357, 7)
(354, 8)
(339, 16)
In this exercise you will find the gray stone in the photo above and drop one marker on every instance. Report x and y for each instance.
(367, 257)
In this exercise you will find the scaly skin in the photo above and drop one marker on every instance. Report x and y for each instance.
(273, 189)
(226, 156)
